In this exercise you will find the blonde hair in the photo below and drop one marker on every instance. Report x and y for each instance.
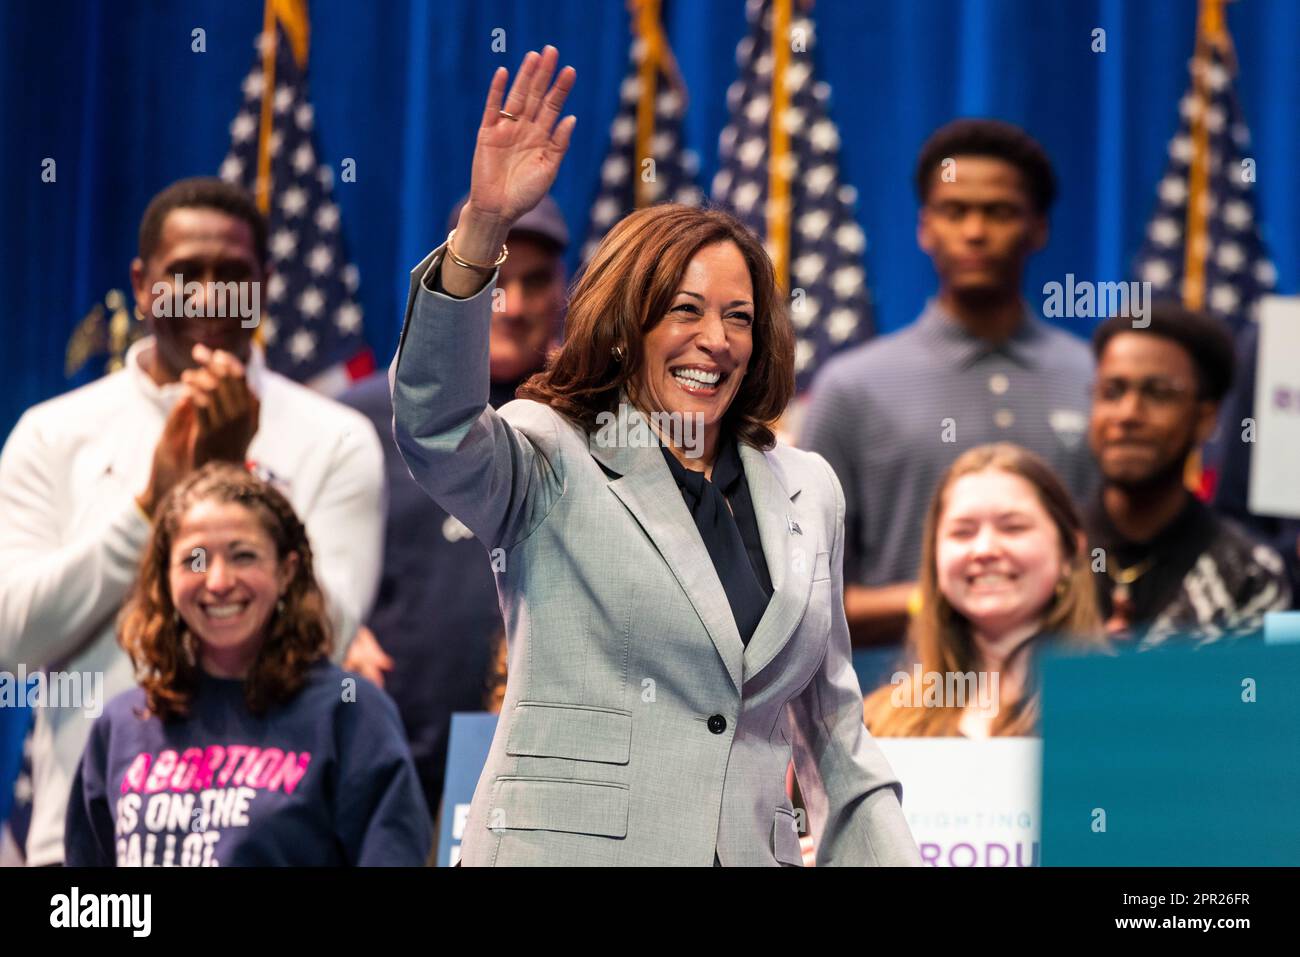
(939, 637)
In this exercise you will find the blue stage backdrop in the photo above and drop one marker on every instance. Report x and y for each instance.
(113, 93)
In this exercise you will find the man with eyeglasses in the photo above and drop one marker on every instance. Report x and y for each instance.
(1165, 564)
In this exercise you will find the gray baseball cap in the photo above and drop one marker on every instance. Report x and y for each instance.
(543, 220)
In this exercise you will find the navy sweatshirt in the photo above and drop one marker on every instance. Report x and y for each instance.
(325, 779)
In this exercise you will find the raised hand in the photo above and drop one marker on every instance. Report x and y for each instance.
(515, 160)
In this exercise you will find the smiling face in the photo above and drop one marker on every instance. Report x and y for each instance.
(1146, 418)
(696, 356)
(225, 579)
(980, 228)
(998, 553)
(206, 246)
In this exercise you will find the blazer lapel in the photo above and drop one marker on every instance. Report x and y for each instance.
(646, 487)
(789, 557)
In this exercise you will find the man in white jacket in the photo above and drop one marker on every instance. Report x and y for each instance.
(82, 474)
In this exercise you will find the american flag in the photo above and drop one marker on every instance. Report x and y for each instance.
(820, 239)
(675, 167)
(311, 322)
(1203, 244)
(1226, 247)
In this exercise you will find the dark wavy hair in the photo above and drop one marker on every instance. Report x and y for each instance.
(164, 650)
(627, 289)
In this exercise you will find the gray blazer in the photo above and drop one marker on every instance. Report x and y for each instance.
(637, 728)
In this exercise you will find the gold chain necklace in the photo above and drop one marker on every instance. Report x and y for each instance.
(1121, 601)
(1127, 576)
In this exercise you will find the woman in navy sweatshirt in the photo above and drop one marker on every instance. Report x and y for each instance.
(243, 744)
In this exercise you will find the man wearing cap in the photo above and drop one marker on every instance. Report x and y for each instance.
(437, 615)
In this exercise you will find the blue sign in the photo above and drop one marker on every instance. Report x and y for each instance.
(467, 752)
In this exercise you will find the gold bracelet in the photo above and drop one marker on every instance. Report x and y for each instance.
(479, 267)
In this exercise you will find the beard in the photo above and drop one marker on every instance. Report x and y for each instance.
(1164, 476)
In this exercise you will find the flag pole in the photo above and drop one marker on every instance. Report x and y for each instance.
(263, 194)
(293, 15)
(1211, 30)
(778, 176)
(647, 27)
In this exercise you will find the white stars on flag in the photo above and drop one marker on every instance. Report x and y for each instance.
(1236, 265)
(317, 323)
(674, 165)
(830, 302)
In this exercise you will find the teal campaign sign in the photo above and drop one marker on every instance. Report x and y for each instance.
(1177, 756)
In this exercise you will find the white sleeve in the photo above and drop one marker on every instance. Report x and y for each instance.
(346, 527)
(56, 595)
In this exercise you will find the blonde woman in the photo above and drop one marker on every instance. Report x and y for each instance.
(1003, 570)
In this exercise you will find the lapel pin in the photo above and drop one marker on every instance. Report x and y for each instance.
(794, 526)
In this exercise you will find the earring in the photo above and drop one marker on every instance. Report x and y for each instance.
(617, 352)
(279, 607)
(1062, 585)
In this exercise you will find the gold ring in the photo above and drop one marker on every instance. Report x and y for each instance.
(508, 116)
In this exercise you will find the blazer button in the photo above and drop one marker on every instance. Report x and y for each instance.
(717, 724)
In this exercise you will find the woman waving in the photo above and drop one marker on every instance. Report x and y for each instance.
(670, 575)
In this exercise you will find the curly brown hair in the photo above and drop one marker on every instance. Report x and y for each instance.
(162, 647)
(626, 290)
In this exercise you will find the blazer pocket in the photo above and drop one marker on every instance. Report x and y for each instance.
(556, 804)
(785, 838)
(822, 567)
(540, 729)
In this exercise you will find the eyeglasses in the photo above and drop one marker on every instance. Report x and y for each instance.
(1157, 391)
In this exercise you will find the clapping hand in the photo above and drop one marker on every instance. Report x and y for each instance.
(226, 410)
(214, 420)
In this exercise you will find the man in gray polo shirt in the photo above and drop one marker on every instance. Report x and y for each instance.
(978, 366)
